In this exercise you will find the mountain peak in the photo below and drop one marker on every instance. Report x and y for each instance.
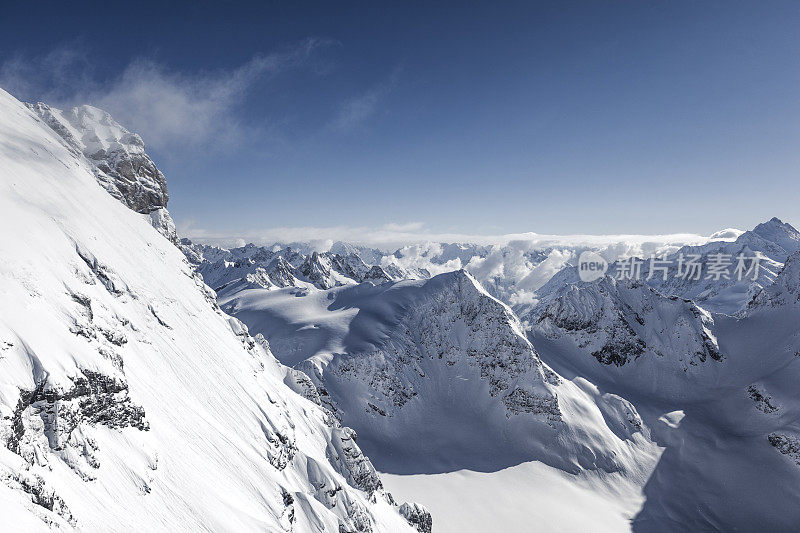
(781, 233)
(774, 224)
(120, 163)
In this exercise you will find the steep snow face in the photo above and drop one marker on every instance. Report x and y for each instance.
(128, 400)
(778, 233)
(784, 292)
(436, 375)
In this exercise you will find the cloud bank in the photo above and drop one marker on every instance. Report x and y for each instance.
(392, 236)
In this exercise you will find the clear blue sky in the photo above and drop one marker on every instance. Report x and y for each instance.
(476, 118)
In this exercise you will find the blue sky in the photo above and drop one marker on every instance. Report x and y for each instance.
(468, 118)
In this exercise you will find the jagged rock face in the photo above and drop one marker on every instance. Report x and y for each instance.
(456, 324)
(53, 420)
(127, 396)
(318, 271)
(121, 164)
(618, 322)
(281, 273)
(351, 265)
(376, 275)
(418, 516)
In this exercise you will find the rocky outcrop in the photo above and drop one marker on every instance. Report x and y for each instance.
(344, 453)
(417, 516)
(50, 419)
(788, 445)
(120, 163)
(764, 402)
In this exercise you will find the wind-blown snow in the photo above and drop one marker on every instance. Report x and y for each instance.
(129, 401)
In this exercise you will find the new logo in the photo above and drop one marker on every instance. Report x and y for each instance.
(591, 266)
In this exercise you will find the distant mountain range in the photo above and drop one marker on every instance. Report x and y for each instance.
(149, 382)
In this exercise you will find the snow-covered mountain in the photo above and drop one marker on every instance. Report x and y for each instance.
(663, 389)
(513, 272)
(128, 399)
(117, 158)
(276, 266)
(437, 375)
(159, 384)
(772, 241)
(625, 323)
(717, 391)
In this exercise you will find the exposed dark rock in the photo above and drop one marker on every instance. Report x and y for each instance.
(417, 516)
(788, 445)
(121, 165)
(346, 456)
(522, 401)
(764, 401)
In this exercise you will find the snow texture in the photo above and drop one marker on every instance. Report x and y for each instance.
(128, 400)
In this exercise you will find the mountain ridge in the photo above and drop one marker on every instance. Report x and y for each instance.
(144, 406)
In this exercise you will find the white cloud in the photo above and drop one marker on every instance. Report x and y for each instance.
(392, 236)
(727, 234)
(53, 76)
(168, 108)
(355, 111)
(409, 226)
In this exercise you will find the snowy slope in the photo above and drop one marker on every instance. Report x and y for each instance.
(437, 377)
(117, 158)
(718, 392)
(706, 438)
(521, 498)
(128, 400)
